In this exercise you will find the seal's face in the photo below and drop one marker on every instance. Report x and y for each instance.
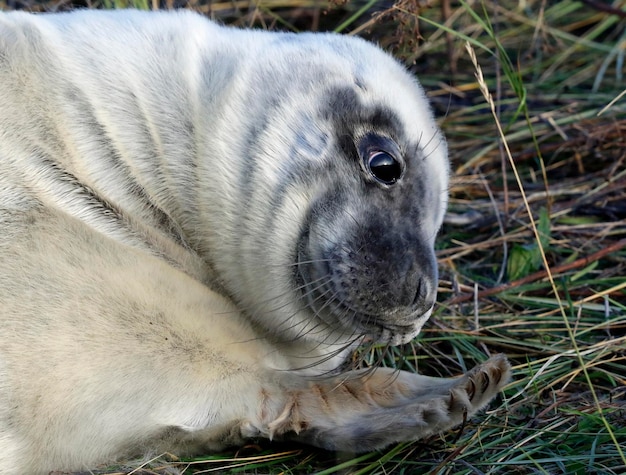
(365, 255)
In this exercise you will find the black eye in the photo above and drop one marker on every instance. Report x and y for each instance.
(384, 167)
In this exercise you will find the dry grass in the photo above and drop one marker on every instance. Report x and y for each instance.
(533, 256)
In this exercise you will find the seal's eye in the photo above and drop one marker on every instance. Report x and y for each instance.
(381, 159)
(384, 167)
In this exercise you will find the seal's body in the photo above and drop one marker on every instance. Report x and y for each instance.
(196, 224)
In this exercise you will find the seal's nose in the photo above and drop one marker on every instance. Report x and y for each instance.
(413, 269)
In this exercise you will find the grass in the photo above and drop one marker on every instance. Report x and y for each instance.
(533, 254)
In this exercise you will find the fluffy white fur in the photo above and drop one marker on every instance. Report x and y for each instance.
(147, 303)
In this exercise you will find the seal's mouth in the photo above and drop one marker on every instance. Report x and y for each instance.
(380, 330)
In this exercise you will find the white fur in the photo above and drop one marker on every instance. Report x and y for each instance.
(144, 307)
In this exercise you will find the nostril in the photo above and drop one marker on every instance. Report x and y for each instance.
(423, 298)
(419, 294)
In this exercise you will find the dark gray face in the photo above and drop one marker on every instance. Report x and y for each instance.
(366, 257)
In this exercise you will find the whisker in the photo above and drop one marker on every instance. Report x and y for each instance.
(304, 296)
(428, 154)
(310, 261)
(328, 357)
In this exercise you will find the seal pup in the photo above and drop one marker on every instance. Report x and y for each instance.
(197, 226)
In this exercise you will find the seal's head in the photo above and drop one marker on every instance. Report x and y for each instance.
(365, 254)
(345, 183)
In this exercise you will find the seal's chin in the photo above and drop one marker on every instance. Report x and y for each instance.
(393, 335)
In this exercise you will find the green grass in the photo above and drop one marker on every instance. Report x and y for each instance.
(537, 270)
